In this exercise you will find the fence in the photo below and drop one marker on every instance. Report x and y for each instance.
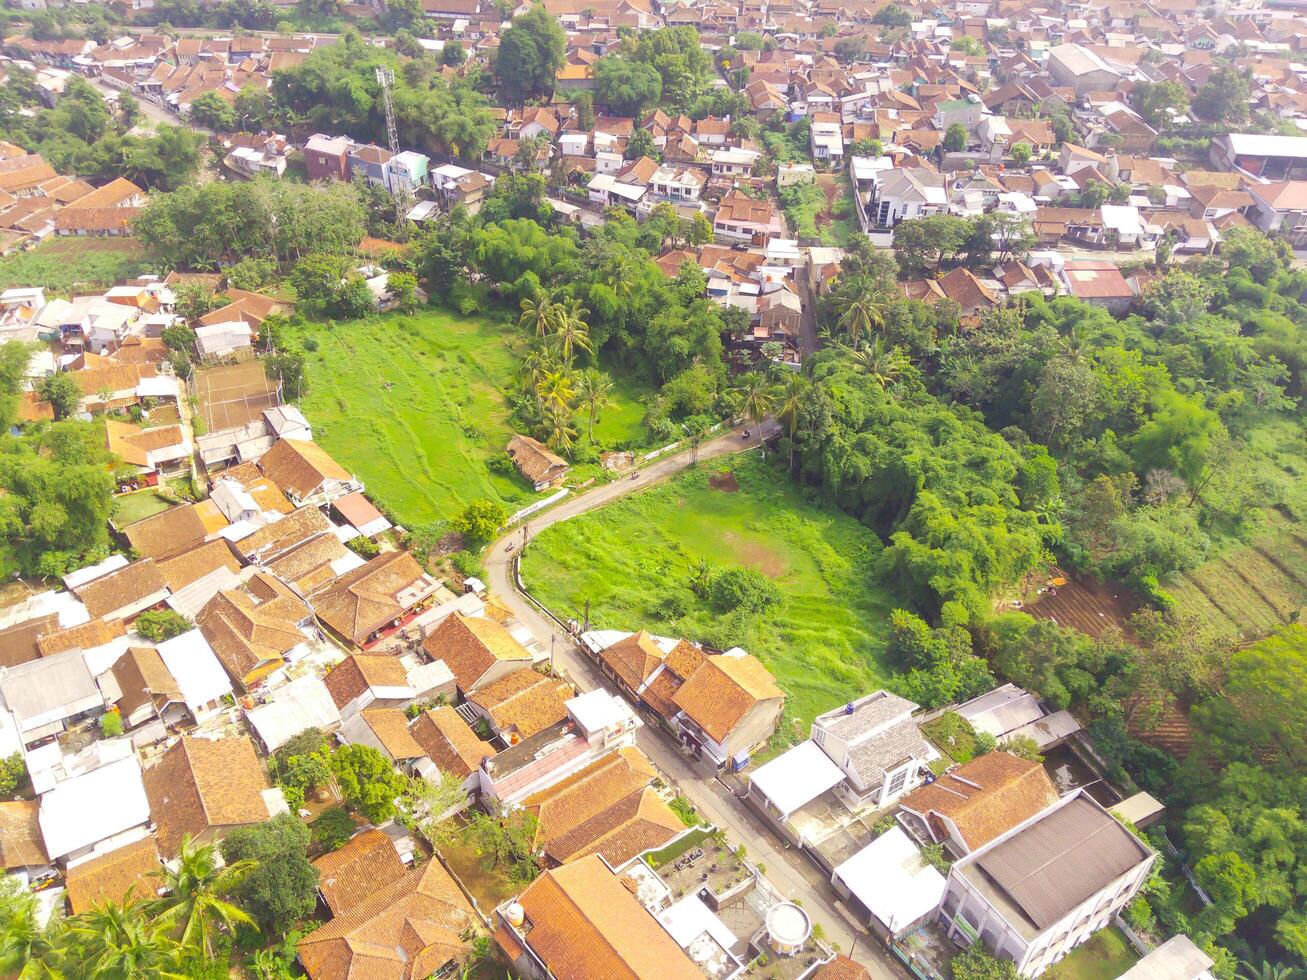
(539, 505)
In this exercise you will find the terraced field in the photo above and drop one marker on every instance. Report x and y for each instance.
(1252, 589)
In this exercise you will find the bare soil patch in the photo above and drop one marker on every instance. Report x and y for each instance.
(757, 556)
(724, 482)
(1086, 604)
(233, 395)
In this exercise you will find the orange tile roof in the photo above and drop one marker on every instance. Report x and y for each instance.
(585, 925)
(722, 691)
(450, 742)
(363, 866)
(202, 784)
(524, 701)
(470, 646)
(984, 798)
(390, 725)
(87, 636)
(633, 659)
(121, 875)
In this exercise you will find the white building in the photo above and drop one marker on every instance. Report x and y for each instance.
(1035, 893)
(892, 881)
(877, 745)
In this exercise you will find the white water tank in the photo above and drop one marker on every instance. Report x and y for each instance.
(788, 928)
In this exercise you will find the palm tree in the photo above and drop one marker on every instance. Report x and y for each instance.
(593, 393)
(882, 364)
(570, 330)
(787, 409)
(538, 314)
(560, 433)
(554, 389)
(1268, 971)
(862, 316)
(26, 950)
(755, 398)
(197, 895)
(117, 941)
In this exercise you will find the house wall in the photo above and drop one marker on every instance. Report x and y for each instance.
(325, 166)
(756, 727)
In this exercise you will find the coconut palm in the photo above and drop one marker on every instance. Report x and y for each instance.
(788, 405)
(27, 951)
(554, 389)
(1268, 971)
(593, 393)
(560, 432)
(114, 940)
(862, 316)
(755, 397)
(539, 314)
(197, 895)
(570, 330)
(884, 365)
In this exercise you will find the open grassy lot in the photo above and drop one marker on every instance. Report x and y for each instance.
(416, 406)
(68, 264)
(1106, 956)
(634, 560)
(132, 507)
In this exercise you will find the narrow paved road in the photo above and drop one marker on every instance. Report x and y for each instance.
(792, 872)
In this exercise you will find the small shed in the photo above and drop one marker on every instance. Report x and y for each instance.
(534, 460)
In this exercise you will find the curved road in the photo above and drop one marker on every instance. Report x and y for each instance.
(789, 870)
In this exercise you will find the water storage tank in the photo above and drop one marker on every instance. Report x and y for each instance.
(788, 928)
(515, 915)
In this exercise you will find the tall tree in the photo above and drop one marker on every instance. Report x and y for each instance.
(197, 903)
(531, 50)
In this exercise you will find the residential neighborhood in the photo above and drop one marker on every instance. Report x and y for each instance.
(750, 488)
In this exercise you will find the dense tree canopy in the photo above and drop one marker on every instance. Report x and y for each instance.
(531, 50)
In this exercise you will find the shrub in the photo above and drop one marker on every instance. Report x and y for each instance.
(111, 724)
(467, 564)
(332, 829)
(13, 772)
(363, 547)
(743, 588)
(161, 624)
(684, 809)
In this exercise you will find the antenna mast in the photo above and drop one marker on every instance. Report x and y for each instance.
(403, 194)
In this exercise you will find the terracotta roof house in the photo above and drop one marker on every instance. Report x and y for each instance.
(306, 473)
(148, 688)
(384, 729)
(582, 923)
(85, 636)
(351, 875)
(522, 703)
(361, 673)
(275, 539)
(167, 534)
(252, 628)
(204, 787)
(728, 706)
(969, 806)
(541, 467)
(449, 742)
(360, 605)
(478, 651)
(124, 875)
(961, 286)
(123, 593)
(607, 808)
(632, 660)
(21, 844)
(411, 928)
(196, 563)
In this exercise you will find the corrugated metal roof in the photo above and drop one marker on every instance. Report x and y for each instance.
(1054, 864)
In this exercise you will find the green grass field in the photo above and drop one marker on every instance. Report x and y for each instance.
(133, 507)
(417, 405)
(1106, 956)
(65, 264)
(824, 641)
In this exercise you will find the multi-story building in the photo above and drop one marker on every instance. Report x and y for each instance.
(1035, 893)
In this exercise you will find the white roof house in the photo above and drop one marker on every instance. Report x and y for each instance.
(89, 809)
(43, 693)
(1009, 712)
(199, 674)
(303, 703)
(892, 881)
(796, 777)
(218, 339)
(288, 422)
(90, 573)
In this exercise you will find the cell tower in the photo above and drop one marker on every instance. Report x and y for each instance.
(401, 190)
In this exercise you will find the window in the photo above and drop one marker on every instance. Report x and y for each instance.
(897, 781)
